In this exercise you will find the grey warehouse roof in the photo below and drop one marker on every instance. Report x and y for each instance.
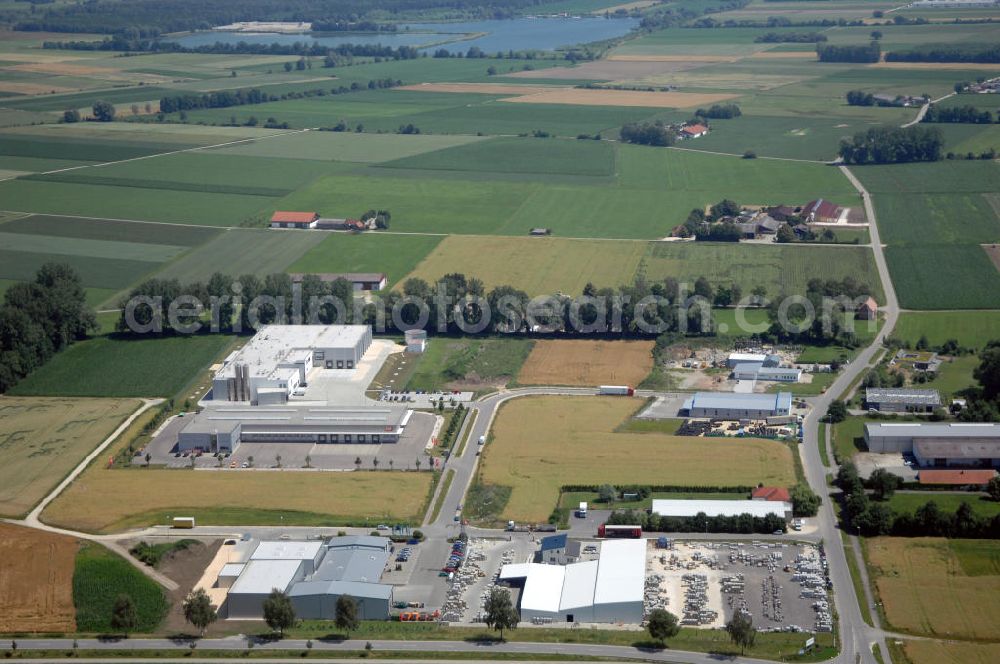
(225, 419)
(904, 395)
(727, 400)
(909, 430)
(352, 588)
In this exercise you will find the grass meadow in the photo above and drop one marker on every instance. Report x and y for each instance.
(42, 439)
(469, 363)
(104, 500)
(782, 269)
(538, 266)
(972, 329)
(395, 255)
(99, 577)
(937, 587)
(540, 444)
(343, 146)
(111, 366)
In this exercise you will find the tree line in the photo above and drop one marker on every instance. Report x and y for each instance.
(849, 53)
(648, 133)
(892, 145)
(872, 516)
(39, 318)
(249, 96)
(700, 523)
(719, 112)
(791, 38)
(967, 114)
(975, 53)
(862, 98)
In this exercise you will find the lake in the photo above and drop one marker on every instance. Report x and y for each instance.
(520, 34)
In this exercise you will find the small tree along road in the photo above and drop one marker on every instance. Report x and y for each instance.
(662, 625)
(198, 610)
(278, 611)
(347, 614)
(742, 631)
(500, 612)
(124, 617)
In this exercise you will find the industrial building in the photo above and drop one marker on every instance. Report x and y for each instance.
(712, 508)
(314, 574)
(220, 429)
(952, 444)
(558, 550)
(902, 400)
(757, 371)
(275, 362)
(764, 359)
(607, 590)
(730, 406)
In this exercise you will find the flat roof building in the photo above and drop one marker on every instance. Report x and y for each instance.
(902, 399)
(757, 371)
(713, 508)
(953, 444)
(360, 281)
(276, 361)
(314, 574)
(730, 406)
(607, 590)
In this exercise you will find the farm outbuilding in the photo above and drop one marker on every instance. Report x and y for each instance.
(902, 399)
(301, 220)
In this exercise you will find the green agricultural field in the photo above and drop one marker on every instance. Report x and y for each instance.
(815, 139)
(113, 366)
(956, 375)
(124, 202)
(95, 272)
(538, 266)
(477, 364)
(343, 146)
(947, 502)
(106, 229)
(53, 146)
(243, 251)
(936, 219)
(944, 277)
(106, 249)
(952, 177)
(61, 102)
(972, 329)
(519, 155)
(782, 269)
(394, 254)
(99, 577)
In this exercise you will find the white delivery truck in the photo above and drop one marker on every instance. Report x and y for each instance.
(616, 390)
(581, 511)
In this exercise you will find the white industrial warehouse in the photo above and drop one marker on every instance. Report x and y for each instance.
(272, 365)
(607, 590)
(950, 444)
(314, 574)
(712, 508)
(731, 406)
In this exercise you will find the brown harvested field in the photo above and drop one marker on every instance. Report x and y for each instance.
(36, 581)
(936, 65)
(672, 58)
(479, 88)
(31, 88)
(539, 444)
(951, 652)
(925, 589)
(993, 251)
(103, 500)
(587, 363)
(43, 438)
(65, 69)
(631, 98)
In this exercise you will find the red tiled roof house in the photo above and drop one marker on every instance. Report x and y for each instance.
(771, 493)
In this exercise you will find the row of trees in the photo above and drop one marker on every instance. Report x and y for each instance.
(862, 98)
(791, 38)
(849, 53)
(39, 318)
(981, 53)
(872, 516)
(720, 112)
(699, 523)
(648, 133)
(893, 145)
(967, 114)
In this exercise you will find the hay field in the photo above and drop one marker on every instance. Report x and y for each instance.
(631, 98)
(536, 265)
(104, 500)
(36, 581)
(926, 588)
(42, 439)
(587, 362)
(541, 443)
(951, 652)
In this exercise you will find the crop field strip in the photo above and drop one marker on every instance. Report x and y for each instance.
(394, 254)
(36, 576)
(542, 443)
(587, 363)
